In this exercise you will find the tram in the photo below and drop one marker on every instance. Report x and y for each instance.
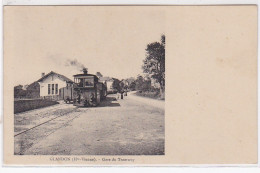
(85, 91)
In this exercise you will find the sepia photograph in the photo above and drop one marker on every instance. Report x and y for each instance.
(129, 85)
(90, 81)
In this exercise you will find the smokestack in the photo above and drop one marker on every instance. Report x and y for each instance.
(43, 74)
(85, 70)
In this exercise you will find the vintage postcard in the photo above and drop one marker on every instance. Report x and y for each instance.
(130, 85)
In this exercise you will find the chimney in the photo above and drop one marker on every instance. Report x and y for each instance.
(43, 74)
(85, 70)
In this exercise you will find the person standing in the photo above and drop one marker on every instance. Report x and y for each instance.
(122, 95)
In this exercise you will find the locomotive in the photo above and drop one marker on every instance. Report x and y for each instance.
(85, 91)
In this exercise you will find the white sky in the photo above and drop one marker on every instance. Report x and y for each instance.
(111, 40)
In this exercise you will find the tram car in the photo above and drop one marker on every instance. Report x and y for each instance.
(66, 93)
(85, 91)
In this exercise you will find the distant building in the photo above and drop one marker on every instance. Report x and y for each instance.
(107, 81)
(51, 83)
(48, 85)
(98, 74)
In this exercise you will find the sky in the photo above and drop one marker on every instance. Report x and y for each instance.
(110, 40)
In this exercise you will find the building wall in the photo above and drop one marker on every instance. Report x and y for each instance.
(52, 79)
(109, 85)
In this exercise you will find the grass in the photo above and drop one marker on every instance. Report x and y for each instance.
(151, 94)
(26, 105)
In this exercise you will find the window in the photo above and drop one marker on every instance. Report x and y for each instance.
(89, 82)
(49, 88)
(52, 89)
(56, 88)
(79, 82)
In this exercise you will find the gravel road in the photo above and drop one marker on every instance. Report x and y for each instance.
(132, 126)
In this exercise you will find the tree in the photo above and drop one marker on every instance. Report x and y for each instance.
(154, 63)
(147, 84)
(18, 87)
(129, 83)
(139, 83)
(121, 85)
(116, 84)
(132, 86)
(18, 91)
(126, 87)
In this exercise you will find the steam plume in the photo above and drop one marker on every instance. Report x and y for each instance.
(74, 63)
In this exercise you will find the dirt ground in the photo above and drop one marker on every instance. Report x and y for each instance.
(132, 126)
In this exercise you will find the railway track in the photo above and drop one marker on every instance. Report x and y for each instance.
(36, 133)
(39, 124)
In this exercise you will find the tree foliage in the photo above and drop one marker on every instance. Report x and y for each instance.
(132, 86)
(142, 83)
(118, 85)
(139, 82)
(154, 63)
(115, 84)
(130, 83)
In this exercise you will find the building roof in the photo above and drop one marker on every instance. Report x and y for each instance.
(103, 79)
(78, 75)
(59, 75)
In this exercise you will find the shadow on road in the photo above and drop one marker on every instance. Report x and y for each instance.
(110, 101)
